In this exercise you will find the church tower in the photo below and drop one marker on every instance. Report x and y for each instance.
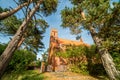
(54, 33)
(53, 39)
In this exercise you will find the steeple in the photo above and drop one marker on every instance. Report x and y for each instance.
(54, 33)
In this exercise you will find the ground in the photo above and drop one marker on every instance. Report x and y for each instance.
(36, 75)
(67, 76)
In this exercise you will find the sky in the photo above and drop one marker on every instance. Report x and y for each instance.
(54, 21)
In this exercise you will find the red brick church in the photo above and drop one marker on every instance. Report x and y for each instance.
(57, 63)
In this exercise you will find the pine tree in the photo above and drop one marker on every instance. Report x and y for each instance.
(93, 16)
(40, 5)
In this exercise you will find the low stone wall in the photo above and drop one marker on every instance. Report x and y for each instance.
(58, 68)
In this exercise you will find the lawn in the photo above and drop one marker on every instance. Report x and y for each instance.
(24, 75)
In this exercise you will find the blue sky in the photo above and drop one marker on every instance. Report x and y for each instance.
(54, 21)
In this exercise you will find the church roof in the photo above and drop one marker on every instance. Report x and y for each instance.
(70, 42)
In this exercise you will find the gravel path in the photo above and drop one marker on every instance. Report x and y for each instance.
(67, 76)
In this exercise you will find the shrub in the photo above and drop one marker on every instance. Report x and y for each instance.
(20, 60)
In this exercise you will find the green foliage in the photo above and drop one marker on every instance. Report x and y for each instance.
(116, 58)
(99, 14)
(49, 6)
(94, 66)
(2, 47)
(83, 59)
(92, 52)
(23, 1)
(33, 35)
(111, 31)
(20, 60)
(10, 25)
(76, 2)
(73, 51)
(104, 20)
(38, 63)
(96, 69)
(2, 10)
(77, 69)
(35, 28)
(45, 58)
(71, 18)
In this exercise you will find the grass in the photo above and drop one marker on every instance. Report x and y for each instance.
(25, 75)
(36, 75)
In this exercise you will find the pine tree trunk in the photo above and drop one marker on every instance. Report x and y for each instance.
(4, 15)
(12, 46)
(21, 41)
(106, 58)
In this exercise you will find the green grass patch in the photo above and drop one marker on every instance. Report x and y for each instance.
(24, 75)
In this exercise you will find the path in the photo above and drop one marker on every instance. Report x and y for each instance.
(67, 76)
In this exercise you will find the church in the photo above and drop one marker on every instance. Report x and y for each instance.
(56, 63)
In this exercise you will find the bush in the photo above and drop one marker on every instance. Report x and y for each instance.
(97, 69)
(79, 69)
(94, 66)
(2, 47)
(116, 58)
(84, 60)
(20, 60)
